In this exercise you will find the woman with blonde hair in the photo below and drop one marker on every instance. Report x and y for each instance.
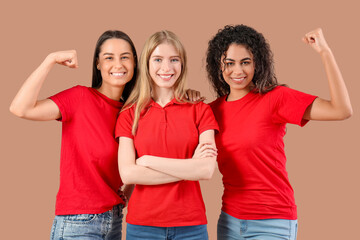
(166, 144)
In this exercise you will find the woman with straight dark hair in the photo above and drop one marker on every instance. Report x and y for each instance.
(88, 204)
(252, 111)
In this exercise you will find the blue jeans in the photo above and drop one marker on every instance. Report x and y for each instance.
(231, 228)
(105, 225)
(138, 232)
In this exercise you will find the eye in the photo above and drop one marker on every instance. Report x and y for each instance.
(157, 59)
(245, 63)
(124, 57)
(228, 64)
(109, 58)
(175, 60)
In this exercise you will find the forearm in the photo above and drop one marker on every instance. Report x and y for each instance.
(27, 96)
(188, 169)
(340, 100)
(135, 174)
(339, 106)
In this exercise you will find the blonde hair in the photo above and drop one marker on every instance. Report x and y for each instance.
(141, 94)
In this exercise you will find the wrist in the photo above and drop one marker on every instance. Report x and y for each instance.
(326, 52)
(50, 59)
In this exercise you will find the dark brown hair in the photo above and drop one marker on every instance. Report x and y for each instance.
(96, 77)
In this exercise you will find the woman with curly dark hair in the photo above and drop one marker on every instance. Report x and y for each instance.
(252, 111)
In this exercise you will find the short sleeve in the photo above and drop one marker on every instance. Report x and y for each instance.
(68, 101)
(205, 118)
(289, 105)
(124, 124)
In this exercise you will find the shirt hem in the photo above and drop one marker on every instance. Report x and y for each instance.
(179, 224)
(260, 217)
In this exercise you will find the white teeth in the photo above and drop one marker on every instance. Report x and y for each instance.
(118, 74)
(238, 79)
(166, 77)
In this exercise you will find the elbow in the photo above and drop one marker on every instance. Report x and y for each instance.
(346, 113)
(209, 169)
(207, 175)
(126, 176)
(14, 110)
(20, 111)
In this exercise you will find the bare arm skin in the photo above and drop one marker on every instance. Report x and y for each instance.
(26, 104)
(339, 106)
(134, 174)
(200, 167)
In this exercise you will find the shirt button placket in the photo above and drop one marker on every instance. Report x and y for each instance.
(163, 125)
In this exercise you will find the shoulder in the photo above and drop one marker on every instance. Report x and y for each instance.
(203, 110)
(76, 90)
(74, 93)
(128, 110)
(275, 94)
(126, 117)
(217, 102)
(201, 106)
(285, 92)
(79, 88)
(278, 90)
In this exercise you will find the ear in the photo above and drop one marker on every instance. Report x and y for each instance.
(97, 64)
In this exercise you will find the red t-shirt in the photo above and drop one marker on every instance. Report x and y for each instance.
(173, 132)
(251, 152)
(89, 175)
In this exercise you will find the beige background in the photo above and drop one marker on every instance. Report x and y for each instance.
(323, 157)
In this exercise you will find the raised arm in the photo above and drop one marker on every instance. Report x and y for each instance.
(339, 106)
(134, 174)
(200, 167)
(26, 104)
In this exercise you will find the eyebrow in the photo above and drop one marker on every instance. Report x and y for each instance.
(232, 60)
(125, 53)
(158, 56)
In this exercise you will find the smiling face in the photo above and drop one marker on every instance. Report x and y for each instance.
(116, 63)
(238, 70)
(165, 65)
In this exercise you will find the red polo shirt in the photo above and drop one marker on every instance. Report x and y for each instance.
(173, 132)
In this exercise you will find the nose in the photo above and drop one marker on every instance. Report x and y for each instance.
(238, 69)
(165, 66)
(118, 63)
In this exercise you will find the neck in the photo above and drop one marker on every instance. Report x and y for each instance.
(236, 95)
(163, 96)
(113, 93)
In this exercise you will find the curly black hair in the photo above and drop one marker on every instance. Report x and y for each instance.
(264, 77)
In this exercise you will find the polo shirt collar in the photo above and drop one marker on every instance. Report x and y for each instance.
(172, 102)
